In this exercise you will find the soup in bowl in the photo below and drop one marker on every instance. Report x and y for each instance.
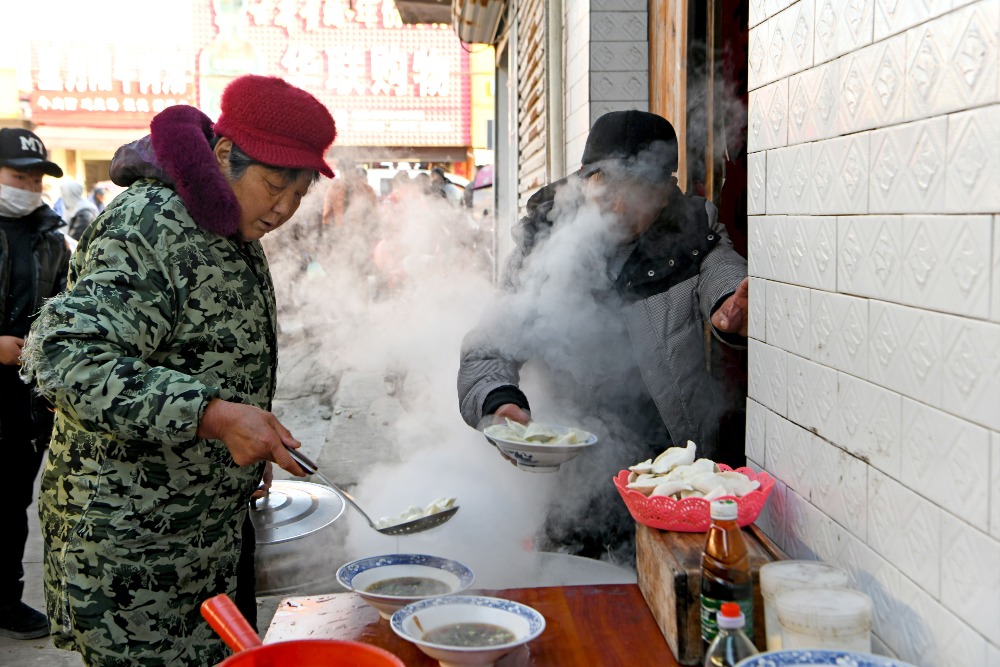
(392, 581)
(467, 629)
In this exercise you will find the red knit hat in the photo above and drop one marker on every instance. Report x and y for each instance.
(276, 123)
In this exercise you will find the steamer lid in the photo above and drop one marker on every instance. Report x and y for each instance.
(294, 509)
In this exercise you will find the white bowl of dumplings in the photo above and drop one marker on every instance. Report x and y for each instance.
(539, 447)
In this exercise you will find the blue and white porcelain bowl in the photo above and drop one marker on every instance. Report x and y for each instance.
(813, 657)
(360, 575)
(414, 621)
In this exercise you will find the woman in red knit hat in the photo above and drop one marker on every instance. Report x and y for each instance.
(160, 358)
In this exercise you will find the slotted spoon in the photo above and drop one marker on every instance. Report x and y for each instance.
(405, 528)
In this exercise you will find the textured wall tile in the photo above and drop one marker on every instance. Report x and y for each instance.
(814, 103)
(756, 432)
(970, 376)
(767, 119)
(787, 316)
(842, 27)
(952, 61)
(772, 518)
(947, 461)
(757, 328)
(995, 484)
(973, 161)
(866, 570)
(756, 183)
(759, 228)
(759, 65)
(946, 263)
(600, 107)
(617, 5)
(992, 655)
(905, 529)
(870, 256)
(788, 454)
(995, 290)
(767, 375)
(812, 396)
(840, 175)
(812, 251)
(789, 172)
(869, 420)
(791, 39)
(893, 16)
(970, 575)
(905, 350)
(619, 56)
(838, 485)
(619, 86)
(618, 26)
(955, 643)
(757, 12)
(839, 332)
(872, 89)
(800, 520)
(907, 168)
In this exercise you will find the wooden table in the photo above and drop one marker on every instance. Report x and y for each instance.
(584, 625)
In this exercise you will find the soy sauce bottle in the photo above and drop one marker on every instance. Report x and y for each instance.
(725, 571)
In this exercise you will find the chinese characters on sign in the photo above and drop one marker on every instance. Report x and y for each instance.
(104, 85)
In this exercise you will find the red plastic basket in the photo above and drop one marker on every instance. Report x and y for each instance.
(691, 515)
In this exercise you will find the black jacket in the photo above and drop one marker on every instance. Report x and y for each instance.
(51, 259)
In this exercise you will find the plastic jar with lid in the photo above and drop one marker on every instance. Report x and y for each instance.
(825, 618)
(785, 575)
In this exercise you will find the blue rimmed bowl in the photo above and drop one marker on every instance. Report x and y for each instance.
(414, 621)
(817, 657)
(360, 575)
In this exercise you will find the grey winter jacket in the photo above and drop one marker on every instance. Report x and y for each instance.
(682, 269)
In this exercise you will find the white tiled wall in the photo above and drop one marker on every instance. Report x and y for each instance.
(874, 234)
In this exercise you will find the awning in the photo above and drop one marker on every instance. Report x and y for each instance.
(478, 21)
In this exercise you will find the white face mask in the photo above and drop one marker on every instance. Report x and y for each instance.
(17, 203)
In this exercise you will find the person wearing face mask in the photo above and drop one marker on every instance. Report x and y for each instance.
(653, 279)
(161, 358)
(33, 262)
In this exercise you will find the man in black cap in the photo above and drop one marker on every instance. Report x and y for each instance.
(33, 263)
(616, 287)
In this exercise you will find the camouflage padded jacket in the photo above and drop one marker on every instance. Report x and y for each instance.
(141, 518)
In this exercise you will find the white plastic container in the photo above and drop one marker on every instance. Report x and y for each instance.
(785, 575)
(825, 618)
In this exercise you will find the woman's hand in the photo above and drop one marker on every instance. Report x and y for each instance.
(10, 350)
(265, 484)
(250, 434)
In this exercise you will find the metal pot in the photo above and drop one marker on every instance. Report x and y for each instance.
(295, 535)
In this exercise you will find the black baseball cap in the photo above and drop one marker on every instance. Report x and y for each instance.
(22, 149)
(639, 141)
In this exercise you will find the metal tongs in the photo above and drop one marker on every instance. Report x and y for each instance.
(405, 528)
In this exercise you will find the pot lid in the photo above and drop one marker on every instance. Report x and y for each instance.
(294, 509)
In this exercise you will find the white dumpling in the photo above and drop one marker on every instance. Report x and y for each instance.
(670, 488)
(717, 492)
(737, 483)
(645, 466)
(673, 457)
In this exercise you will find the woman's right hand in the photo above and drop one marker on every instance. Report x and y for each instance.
(250, 434)
(10, 350)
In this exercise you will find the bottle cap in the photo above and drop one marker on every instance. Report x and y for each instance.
(725, 510)
(730, 617)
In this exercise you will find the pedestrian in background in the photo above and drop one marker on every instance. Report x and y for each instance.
(78, 211)
(33, 263)
(161, 359)
(97, 198)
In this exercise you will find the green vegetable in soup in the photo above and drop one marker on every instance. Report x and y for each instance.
(409, 587)
(469, 634)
